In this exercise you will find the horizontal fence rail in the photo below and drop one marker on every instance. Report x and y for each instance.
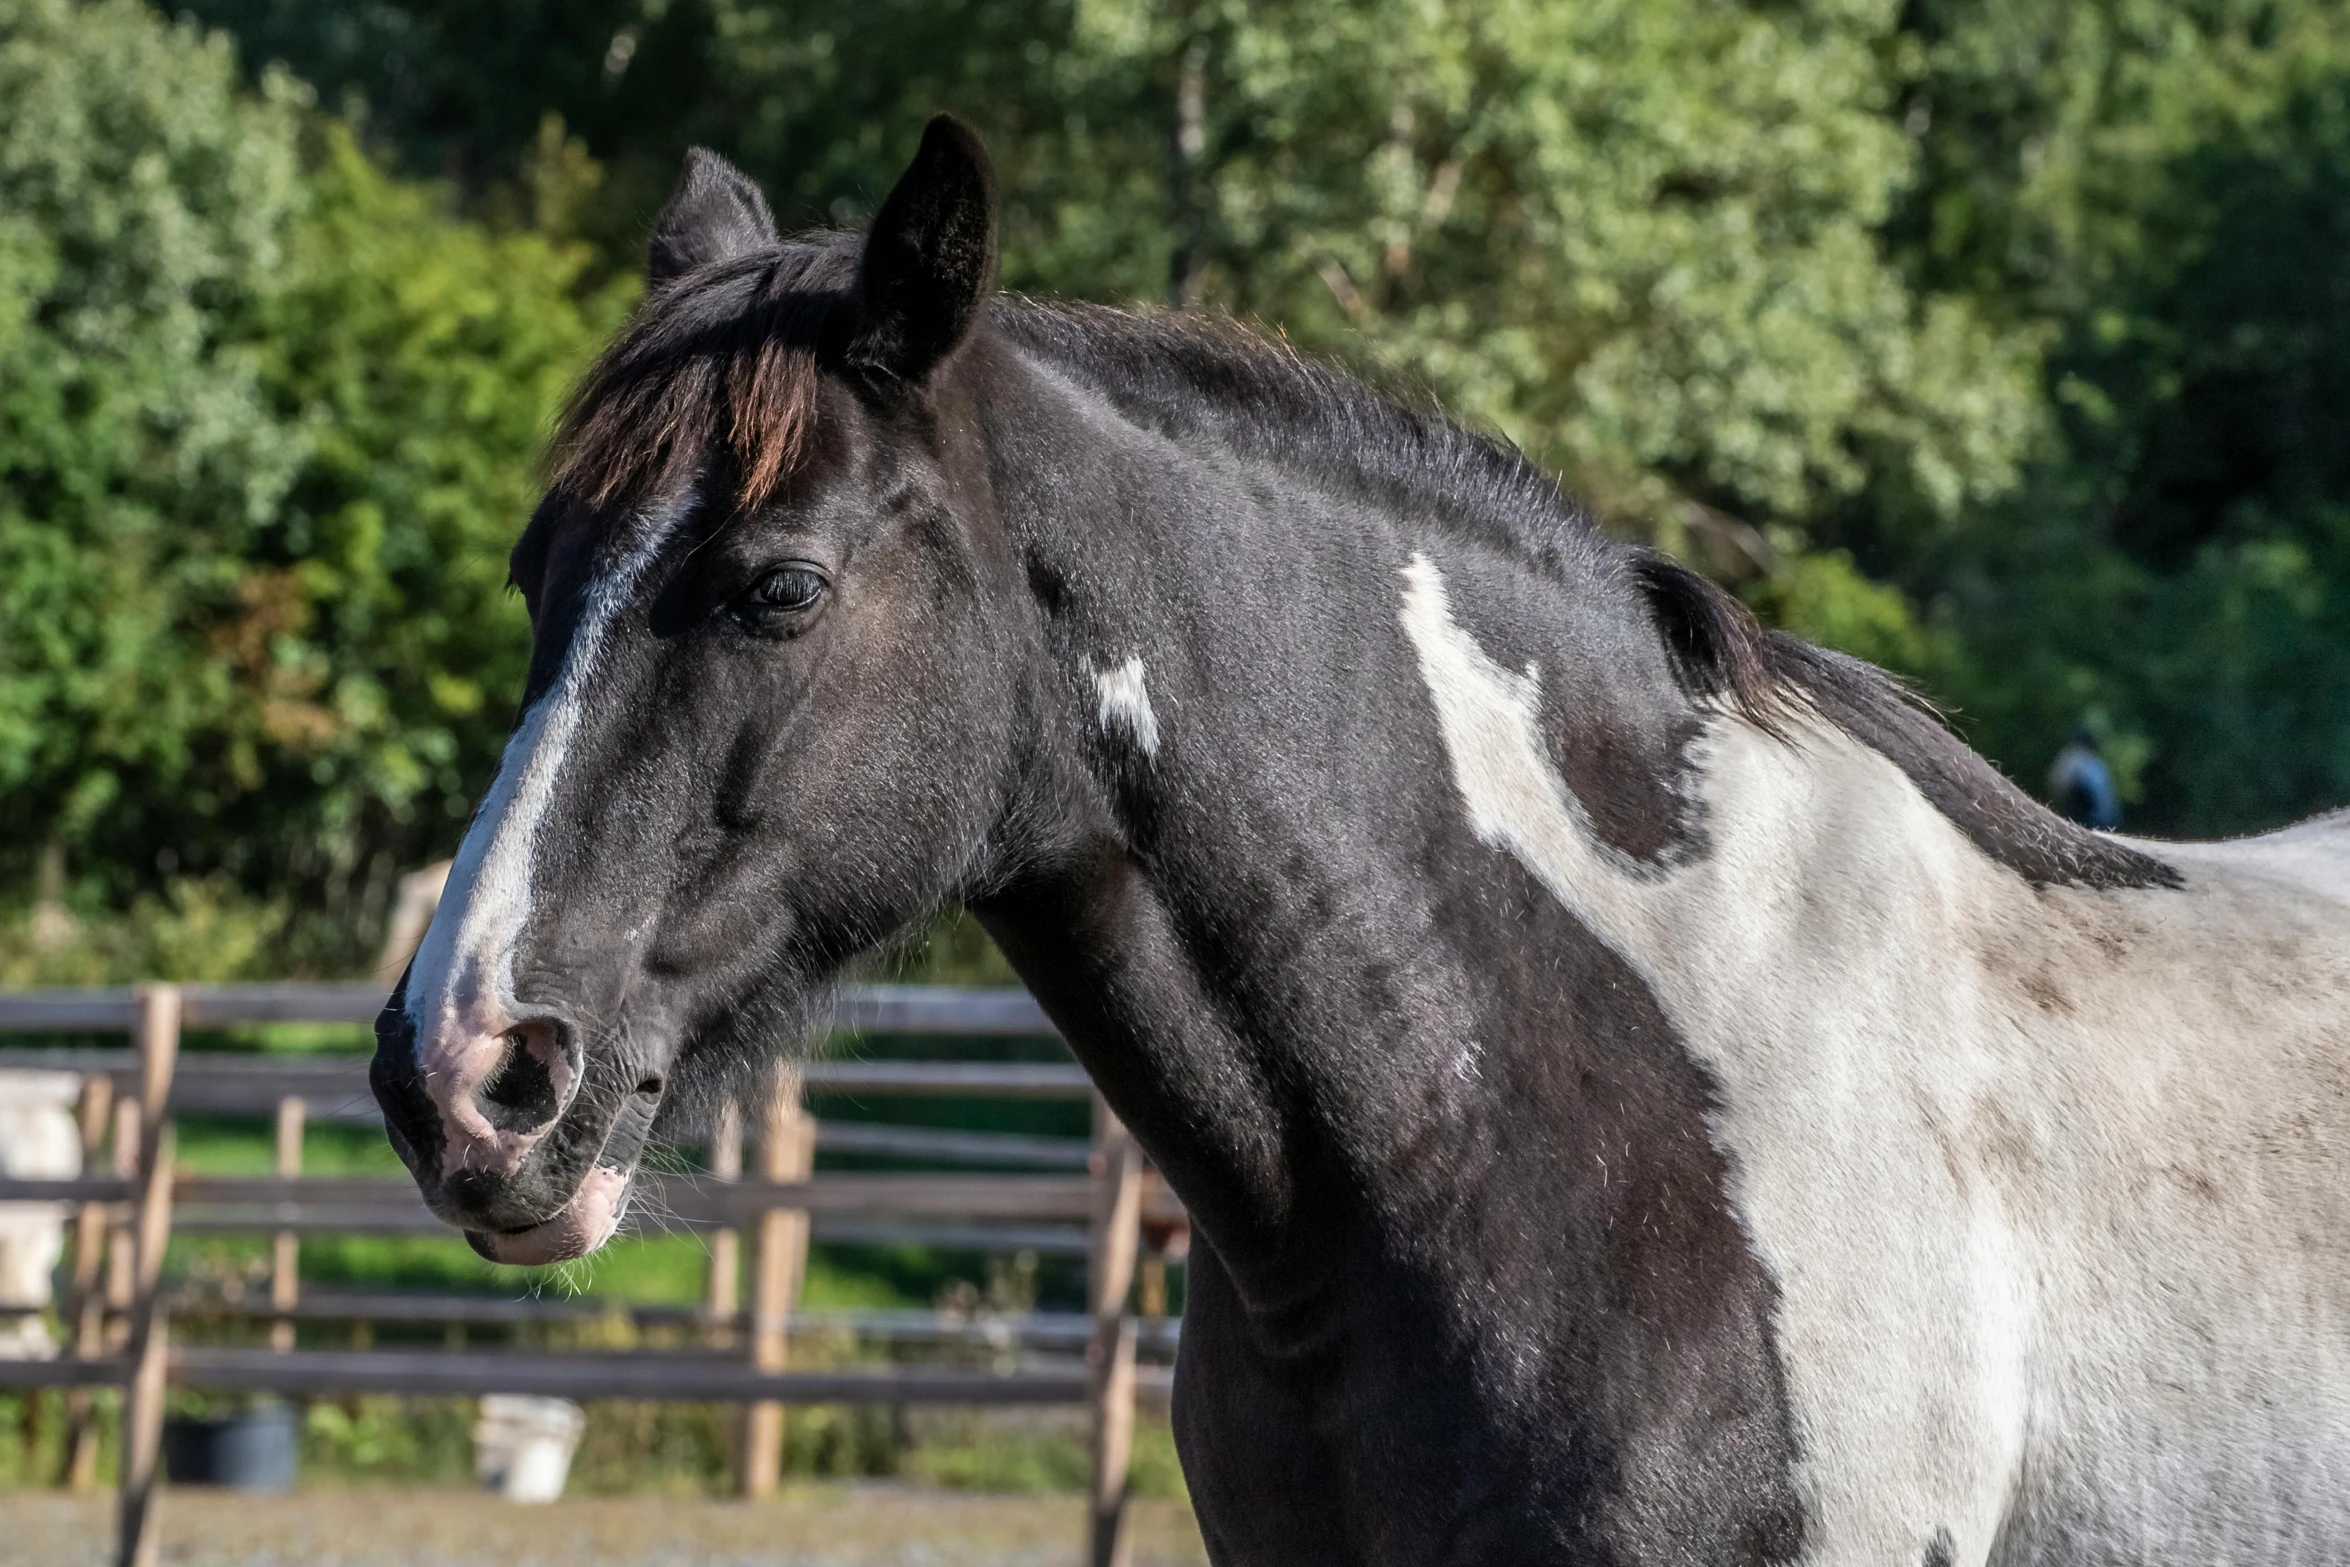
(658, 1376)
(216, 1083)
(1057, 1330)
(292, 1202)
(860, 1009)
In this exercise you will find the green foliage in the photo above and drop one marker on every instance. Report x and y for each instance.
(270, 423)
(1821, 595)
(2159, 190)
(425, 357)
(1995, 342)
(411, 1441)
(1638, 238)
(191, 928)
(144, 206)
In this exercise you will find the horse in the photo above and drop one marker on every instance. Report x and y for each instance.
(1646, 1093)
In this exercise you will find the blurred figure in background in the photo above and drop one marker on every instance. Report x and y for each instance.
(38, 1141)
(2080, 785)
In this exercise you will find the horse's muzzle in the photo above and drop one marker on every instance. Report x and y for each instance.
(557, 1192)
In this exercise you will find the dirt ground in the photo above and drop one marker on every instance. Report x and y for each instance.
(873, 1525)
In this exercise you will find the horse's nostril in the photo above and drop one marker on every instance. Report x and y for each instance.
(523, 1095)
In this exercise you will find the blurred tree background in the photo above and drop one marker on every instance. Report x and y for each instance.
(2002, 342)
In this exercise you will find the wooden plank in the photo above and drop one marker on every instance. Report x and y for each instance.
(910, 1196)
(1066, 1240)
(1110, 1368)
(1067, 1330)
(71, 1371)
(308, 1219)
(101, 1189)
(1046, 1240)
(787, 1147)
(871, 1009)
(149, 1337)
(1001, 1149)
(109, 1011)
(87, 1301)
(975, 1079)
(217, 1006)
(941, 1009)
(724, 1297)
(115, 1009)
(120, 1256)
(285, 1262)
(321, 1303)
(687, 1198)
(219, 1082)
(668, 1377)
(656, 1375)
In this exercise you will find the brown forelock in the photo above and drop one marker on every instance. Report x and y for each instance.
(726, 356)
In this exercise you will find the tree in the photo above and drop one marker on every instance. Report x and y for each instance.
(144, 206)
(1639, 238)
(2158, 191)
(268, 420)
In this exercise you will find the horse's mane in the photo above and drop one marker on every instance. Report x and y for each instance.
(730, 347)
(737, 347)
(1186, 373)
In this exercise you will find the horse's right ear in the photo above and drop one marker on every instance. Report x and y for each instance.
(715, 214)
(930, 257)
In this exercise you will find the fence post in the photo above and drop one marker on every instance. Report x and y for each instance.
(121, 1236)
(142, 1405)
(88, 1302)
(726, 1164)
(1109, 1357)
(787, 1150)
(285, 1263)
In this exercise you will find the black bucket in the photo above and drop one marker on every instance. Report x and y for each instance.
(253, 1451)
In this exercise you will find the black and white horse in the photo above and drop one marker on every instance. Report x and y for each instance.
(1646, 1093)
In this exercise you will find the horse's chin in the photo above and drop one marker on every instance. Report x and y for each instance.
(586, 1222)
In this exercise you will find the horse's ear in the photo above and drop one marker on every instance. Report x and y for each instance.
(930, 258)
(715, 214)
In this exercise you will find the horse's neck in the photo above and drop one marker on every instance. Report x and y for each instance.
(1285, 921)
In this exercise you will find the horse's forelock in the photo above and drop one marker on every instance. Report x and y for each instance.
(726, 356)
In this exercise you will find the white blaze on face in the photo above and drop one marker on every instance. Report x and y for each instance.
(461, 989)
(2000, 1149)
(1125, 704)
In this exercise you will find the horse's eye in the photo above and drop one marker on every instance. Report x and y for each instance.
(788, 589)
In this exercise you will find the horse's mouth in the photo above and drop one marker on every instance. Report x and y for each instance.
(595, 1210)
(585, 1223)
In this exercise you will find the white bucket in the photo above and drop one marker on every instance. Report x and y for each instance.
(522, 1446)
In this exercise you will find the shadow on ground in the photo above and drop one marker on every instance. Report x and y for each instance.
(850, 1525)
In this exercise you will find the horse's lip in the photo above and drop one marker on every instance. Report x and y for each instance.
(591, 1215)
(587, 1221)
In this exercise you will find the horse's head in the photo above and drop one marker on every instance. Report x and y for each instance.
(770, 714)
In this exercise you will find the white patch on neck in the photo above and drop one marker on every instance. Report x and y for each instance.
(1126, 705)
(1516, 801)
(462, 984)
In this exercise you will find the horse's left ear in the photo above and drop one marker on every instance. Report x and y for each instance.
(715, 214)
(930, 258)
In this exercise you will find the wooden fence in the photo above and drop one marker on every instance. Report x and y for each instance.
(117, 1313)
